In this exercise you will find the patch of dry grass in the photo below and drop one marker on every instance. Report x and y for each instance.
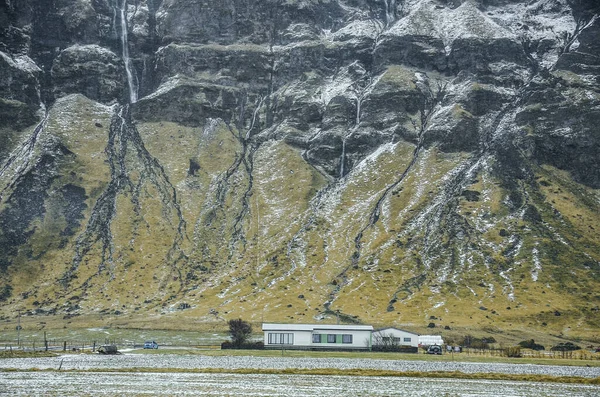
(351, 372)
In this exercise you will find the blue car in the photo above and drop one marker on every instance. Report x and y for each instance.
(150, 345)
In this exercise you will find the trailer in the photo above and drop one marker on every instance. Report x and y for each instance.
(430, 340)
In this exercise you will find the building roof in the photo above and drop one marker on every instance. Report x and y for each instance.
(397, 329)
(314, 327)
(430, 337)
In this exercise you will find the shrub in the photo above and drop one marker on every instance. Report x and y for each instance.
(5, 292)
(244, 346)
(565, 347)
(530, 344)
(477, 343)
(513, 352)
(396, 348)
(431, 325)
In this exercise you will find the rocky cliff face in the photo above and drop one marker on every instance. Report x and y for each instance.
(392, 161)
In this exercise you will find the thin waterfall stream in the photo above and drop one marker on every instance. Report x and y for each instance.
(343, 157)
(390, 11)
(131, 78)
(345, 137)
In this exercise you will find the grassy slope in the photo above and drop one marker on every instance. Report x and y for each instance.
(254, 277)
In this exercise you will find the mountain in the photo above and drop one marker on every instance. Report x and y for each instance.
(384, 161)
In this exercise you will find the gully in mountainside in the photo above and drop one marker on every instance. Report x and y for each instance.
(19, 160)
(126, 153)
(125, 143)
(430, 101)
(249, 149)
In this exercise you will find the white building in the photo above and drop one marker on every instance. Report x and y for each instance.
(317, 336)
(396, 337)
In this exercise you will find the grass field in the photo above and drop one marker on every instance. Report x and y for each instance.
(592, 360)
(205, 339)
(175, 329)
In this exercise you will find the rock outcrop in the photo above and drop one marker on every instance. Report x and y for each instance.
(89, 70)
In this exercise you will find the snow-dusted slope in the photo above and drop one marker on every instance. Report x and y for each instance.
(386, 160)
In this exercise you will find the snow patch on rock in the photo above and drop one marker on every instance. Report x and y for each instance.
(466, 21)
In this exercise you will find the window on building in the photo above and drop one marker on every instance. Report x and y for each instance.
(407, 340)
(281, 338)
(330, 338)
(316, 338)
(346, 338)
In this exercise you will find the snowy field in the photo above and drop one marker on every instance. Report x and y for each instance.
(185, 384)
(174, 361)
(180, 383)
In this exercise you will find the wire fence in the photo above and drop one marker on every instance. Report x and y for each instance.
(540, 354)
(75, 345)
(92, 345)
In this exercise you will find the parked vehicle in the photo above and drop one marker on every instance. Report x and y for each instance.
(150, 345)
(434, 349)
(108, 349)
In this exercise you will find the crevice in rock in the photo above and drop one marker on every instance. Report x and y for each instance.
(408, 288)
(250, 146)
(583, 22)
(238, 227)
(18, 162)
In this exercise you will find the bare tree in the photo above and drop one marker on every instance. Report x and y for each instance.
(240, 331)
(383, 342)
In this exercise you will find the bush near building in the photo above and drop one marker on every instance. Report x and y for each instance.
(565, 347)
(530, 344)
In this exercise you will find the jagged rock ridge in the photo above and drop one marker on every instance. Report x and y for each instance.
(389, 160)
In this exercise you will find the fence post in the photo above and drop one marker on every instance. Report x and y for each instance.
(65, 346)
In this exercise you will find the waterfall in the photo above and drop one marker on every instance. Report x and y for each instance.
(254, 115)
(356, 123)
(131, 79)
(343, 157)
(390, 11)
(358, 104)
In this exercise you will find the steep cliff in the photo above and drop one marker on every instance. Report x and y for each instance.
(389, 161)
